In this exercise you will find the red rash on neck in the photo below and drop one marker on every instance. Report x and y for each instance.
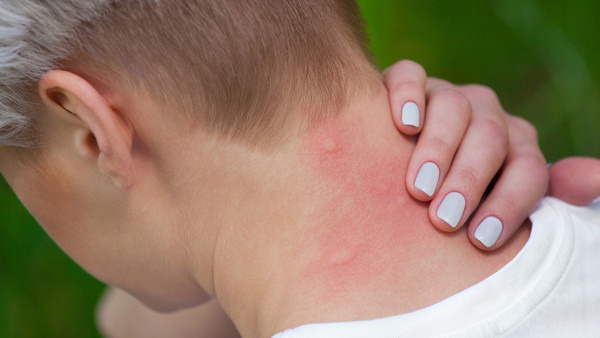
(364, 218)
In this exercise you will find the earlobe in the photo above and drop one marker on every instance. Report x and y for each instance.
(101, 132)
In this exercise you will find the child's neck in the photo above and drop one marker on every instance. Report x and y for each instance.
(348, 242)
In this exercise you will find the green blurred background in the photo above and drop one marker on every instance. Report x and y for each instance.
(540, 56)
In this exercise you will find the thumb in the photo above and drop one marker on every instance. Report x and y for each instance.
(575, 180)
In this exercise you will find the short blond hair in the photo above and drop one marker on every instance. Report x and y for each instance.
(244, 69)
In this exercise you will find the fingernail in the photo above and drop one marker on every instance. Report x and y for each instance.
(489, 231)
(427, 178)
(452, 208)
(410, 114)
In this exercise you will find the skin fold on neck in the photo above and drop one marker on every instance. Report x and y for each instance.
(343, 240)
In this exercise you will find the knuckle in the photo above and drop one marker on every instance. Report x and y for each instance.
(496, 134)
(438, 83)
(440, 145)
(535, 166)
(523, 127)
(463, 113)
(453, 99)
(470, 179)
(409, 64)
(528, 156)
(481, 93)
(405, 86)
(510, 203)
(404, 69)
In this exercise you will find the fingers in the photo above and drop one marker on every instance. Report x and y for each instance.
(405, 81)
(493, 140)
(520, 187)
(448, 115)
(488, 143)
(575, 180)
(479, 158)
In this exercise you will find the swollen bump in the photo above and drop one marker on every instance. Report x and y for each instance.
(325, 139)
(340, 257)
(329, 145)
(360, 217)
(328, 150)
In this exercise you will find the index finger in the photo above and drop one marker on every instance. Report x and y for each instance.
(405, 81)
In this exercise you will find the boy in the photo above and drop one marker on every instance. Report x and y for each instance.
(264, 209)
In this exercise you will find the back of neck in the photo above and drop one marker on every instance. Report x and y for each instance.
(354, 245)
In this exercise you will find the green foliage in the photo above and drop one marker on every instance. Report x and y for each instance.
(42, 292)
(540, 57)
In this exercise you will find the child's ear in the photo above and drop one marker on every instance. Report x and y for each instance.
(99, 131)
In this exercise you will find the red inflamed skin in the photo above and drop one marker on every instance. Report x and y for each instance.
(363, 213)
(369, 234)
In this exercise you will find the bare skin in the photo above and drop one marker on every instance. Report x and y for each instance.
(469, 136)
(124, 316)
(575, 180)
(406, 82)
(345, 253)
(246, 231)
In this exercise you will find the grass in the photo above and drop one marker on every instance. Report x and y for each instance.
(540, 57)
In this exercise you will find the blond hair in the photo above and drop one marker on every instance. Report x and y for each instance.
(244, 69)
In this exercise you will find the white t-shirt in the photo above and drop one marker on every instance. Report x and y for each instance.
(550, 289)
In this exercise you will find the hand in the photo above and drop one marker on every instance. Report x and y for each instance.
(575, 180)
(470, 140)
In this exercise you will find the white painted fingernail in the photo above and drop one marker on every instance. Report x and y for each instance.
(427, 178)
(452, 208)
(410, 114)
(489, 231)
